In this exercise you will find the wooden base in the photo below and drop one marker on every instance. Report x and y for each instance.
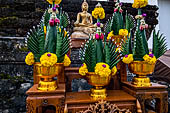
(36, 99)
(77, 101)
(155, 91)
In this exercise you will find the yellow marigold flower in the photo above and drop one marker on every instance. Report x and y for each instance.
(29, 60)
(48, 59)
(123, 32)
(128, 59)
(114, 71)
(118, 49)
(55, 1)
(67, 61)
(98, 12)
(139, 3)
(102, 69)
(110, 35)
(59, 29)
(151, 59)
(45, 29)
(83, 69)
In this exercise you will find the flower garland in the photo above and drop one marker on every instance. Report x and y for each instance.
(98, 12)
(102, 69)
(83, 69)
(55, 1)
(123, 32)
(29, 60)
(128, 59)
(67, 61)
(48, 59)
(110, 35)
(139, 3)
(151, 59)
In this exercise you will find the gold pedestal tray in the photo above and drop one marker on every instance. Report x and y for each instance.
(142, 69)
(98, 82)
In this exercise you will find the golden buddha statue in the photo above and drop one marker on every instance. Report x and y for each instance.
(84, 23)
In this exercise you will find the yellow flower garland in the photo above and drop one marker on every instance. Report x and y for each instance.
(102, 69)
(29, 60)
(150, 60)
(110, 35)
(123, 32)
(98, 12)
(83, 69)
(55, 1)
(67, 61)
(128, 59)
(139, 3)
(48, 59)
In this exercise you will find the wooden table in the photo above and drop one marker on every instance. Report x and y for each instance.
(77, 101)
(156, 91)
(36, 99)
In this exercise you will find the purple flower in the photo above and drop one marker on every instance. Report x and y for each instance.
(126, 56)
(144, 14)
(120, 3)
(98, 24)
(82, 65)
(104, 65)
(48, 55)
(151, 55)
(54, 8)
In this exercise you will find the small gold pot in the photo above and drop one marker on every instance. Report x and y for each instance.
(46, 76)
(98, 82)
(141, 69)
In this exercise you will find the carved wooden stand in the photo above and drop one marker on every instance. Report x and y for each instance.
(156, 91)
(37, 99)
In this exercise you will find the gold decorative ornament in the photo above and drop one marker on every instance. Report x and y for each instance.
(104, 107)
(98, 82)
(46, 76)
(141, 69)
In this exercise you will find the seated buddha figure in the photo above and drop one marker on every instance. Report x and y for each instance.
(84, 23)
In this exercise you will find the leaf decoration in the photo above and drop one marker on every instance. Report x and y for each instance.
(139, 47)
(108, 26)
(145, 43)
(114, 56)
(36, 41)
(117, 23)
(51, 36)
(46, 18)
(126, 47)
(130, 22)
(88, 55)
(159, 44)
(65, 20)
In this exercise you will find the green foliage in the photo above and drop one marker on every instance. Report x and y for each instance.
(139, 50)
(114, 56)
(118, 24)
(107, 53)
(108, 26)
(159, 44)
(145, 43)
(64, 21)
(36, 41)
(50, 45)
(46, 18)
(55, 41)
(130, 22)
(127, 46)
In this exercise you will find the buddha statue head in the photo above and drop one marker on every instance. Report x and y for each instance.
(85, 6)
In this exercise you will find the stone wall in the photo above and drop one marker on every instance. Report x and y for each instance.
(18, 16)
